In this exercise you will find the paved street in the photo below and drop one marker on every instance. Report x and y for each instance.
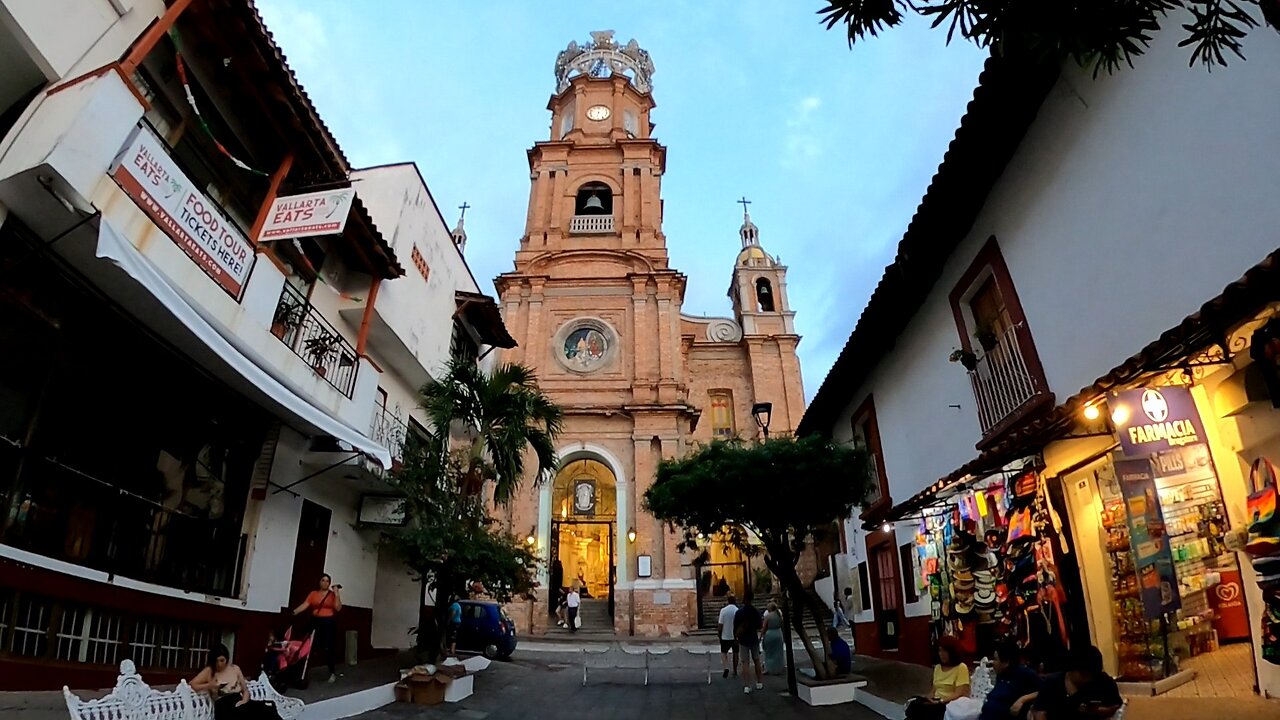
(545, 686)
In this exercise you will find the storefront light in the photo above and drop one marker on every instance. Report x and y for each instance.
(887, 527)
(1120, 414)
(1091, 412)
(631, 535)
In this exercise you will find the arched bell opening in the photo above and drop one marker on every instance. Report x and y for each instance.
(594, 198)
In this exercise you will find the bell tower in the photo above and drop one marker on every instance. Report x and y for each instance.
(759, 287)
(597, 181)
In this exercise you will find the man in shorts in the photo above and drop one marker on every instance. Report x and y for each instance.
(724, 631)
(746, 629)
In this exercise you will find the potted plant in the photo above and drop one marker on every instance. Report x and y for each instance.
(965, 358)
(986, 337)
(287, 316)
(320, 348)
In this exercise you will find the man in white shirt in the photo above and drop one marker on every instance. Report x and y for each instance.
(724, 630)
(571, 603)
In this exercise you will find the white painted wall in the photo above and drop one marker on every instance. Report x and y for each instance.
(419, 311)
(352, 554)
(67, 38)
(396, 610)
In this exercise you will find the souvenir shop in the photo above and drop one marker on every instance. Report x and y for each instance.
(990, 555)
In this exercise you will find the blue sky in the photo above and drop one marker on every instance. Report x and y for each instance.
(833, 146)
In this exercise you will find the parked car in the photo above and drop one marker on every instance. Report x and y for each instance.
(487, 628)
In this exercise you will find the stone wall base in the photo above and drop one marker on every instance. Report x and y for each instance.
(656, 613)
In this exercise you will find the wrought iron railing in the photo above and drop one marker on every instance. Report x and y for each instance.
(591, 224)
(1002, 384)
(390, 432)
(300, 326)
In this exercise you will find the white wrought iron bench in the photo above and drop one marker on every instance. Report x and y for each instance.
(133, 699)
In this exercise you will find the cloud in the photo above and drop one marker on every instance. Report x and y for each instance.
(802, 142)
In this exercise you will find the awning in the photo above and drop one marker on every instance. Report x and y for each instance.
(481, 313)
(266, 390)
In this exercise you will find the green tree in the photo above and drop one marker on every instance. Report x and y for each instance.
(482, 426)
(782, 491)
(449, 540)
(495, 418)
(1096, 34)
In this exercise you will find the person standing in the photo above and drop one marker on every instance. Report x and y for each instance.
(746, 628)
(324, 604)
(724, 631)
(572, 603)
(775, 656)
(455, 625)
(839, 618)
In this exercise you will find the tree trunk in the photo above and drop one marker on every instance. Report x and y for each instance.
(785, 571)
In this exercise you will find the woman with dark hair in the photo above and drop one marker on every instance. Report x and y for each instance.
(225, 683)
(324, 605)
(950, 681)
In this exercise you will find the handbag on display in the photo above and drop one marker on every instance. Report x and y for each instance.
(1264, 521)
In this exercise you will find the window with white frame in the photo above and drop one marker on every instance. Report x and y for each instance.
(198, 649)
(31, 627)
(143, 643)
(103, 638)
(170, 650)
(70, 635)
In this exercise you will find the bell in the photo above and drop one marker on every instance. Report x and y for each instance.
(593, 203)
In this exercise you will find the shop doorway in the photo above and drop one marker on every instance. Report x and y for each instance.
(1204, 643)
(884, 578)
(311, 549)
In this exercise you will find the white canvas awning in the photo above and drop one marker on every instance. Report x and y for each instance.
(268, 391)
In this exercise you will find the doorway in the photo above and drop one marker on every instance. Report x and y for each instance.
(310, 551)
(584, 514)
(884, 572)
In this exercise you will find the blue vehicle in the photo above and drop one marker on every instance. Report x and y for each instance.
(486, 628)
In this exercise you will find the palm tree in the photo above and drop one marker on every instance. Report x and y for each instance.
(491, 420)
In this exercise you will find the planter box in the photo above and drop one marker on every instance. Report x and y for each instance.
(836, 691)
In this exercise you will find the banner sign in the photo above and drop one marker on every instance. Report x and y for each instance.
(317, 213)
(147, 174)
(1152, 558)
(1156, 419)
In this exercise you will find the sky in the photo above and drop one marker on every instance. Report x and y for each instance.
(833, 146)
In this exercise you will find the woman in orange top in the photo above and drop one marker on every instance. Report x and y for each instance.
(324, 605)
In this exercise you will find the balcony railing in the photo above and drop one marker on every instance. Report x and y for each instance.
(390, 432)
(312, 338)
(1001, 382)
(591, 224)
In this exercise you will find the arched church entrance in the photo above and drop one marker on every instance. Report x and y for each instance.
(584, 515)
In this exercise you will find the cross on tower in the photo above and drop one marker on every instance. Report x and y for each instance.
(463, 207)
(744, 202)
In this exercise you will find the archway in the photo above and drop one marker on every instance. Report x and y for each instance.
(582, 542)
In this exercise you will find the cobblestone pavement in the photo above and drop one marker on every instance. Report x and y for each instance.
(543, 686)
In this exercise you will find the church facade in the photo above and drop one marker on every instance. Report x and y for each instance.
(597, 311)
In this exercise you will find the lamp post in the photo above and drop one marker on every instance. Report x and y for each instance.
(763, 412)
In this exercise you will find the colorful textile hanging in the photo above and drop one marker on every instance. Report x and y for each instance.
(191, 100)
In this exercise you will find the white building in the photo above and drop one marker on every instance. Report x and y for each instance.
(1074, 222)
(197, 408)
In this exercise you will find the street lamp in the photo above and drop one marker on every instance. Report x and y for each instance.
(762, 411)
(631, 535)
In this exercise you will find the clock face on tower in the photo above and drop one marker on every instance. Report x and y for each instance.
(598, 112)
